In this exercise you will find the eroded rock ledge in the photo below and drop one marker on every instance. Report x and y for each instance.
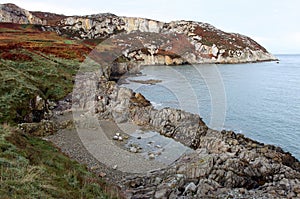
(224, 164)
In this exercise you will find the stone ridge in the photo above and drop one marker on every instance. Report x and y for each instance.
(11, 13)
(49, 18)
(195, 42)
(223, 164)
(203, 43)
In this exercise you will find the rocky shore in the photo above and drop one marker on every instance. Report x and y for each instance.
(220, 164)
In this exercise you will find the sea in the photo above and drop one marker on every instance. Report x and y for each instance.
(259, 100)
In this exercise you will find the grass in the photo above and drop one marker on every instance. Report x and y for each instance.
(33, 168)
(33, 62)
(22, 81)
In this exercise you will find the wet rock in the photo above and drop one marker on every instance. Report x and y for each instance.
(139, 100)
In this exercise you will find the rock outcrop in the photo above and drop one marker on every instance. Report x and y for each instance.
(223, 164)
(11, 13)
(183, 41)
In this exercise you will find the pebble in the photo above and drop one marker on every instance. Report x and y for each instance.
(158, 146)
(151, 156)
(133, 150)
(115, 167)
(120, 139)
(116, 137)
(102, 174)
(118, 134)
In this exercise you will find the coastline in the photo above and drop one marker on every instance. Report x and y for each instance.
(225, 163)
(90, 126)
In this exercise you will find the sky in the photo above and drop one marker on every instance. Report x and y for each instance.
(272, 23)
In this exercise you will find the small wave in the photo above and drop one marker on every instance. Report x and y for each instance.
(156, 105)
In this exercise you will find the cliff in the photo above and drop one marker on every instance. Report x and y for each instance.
(11, 13)
(187, 41)
(38, 67)
(183, 41)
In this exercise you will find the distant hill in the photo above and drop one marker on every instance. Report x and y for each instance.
(184, 41)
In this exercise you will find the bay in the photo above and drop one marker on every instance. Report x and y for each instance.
(260, 100)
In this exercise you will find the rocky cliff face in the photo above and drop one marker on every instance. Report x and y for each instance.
(13, 14)
(183, 41)
(194, 42)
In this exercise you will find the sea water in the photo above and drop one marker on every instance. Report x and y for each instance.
(260, 100)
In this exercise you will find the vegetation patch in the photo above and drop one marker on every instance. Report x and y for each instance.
(33, 62)
(33, 168)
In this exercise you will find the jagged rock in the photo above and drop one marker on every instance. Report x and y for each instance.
(191, 187)
(223, 163)
(11, 13)
(43, 128)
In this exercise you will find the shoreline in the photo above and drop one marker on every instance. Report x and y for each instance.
(255, 164)
(223, 163)
(143, 79)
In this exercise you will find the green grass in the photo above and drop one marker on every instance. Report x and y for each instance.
(68, 42)
(41, 64)
(21, 81)
(33, 168)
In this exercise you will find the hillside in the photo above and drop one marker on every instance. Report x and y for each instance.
(41, 55)
(40, 52)
(205, 43)
(34, 63)
(37, 67)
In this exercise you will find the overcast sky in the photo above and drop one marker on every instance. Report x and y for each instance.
(273, 23)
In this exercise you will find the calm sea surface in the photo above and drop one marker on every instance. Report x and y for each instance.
(260, 100)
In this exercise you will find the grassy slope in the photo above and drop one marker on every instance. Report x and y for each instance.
(33, 168)
(33, 63)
